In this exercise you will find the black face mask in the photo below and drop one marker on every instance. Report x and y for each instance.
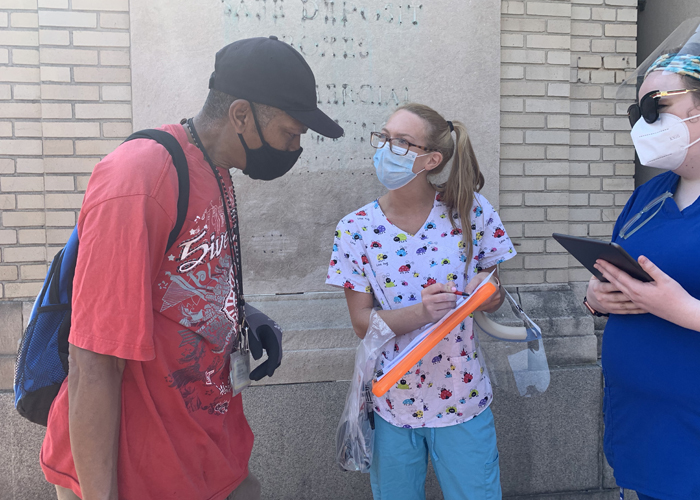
(267, 163)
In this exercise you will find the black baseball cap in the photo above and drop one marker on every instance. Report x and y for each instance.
(269, 71)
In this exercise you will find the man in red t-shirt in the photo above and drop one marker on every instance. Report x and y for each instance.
(147, 410)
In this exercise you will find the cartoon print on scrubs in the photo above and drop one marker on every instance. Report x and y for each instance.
(197, 292)
(370, 254)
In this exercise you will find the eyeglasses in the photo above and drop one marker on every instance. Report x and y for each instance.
(648, 106)
(627, 230)
(397, 145)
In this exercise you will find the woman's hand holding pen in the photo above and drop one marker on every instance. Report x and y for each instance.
(492, 303)
(437, 300)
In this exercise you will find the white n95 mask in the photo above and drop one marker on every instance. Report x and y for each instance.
(663, 144)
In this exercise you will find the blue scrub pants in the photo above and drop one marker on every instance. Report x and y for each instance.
(465, 459)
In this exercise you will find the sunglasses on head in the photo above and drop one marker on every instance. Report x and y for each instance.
(648, 106)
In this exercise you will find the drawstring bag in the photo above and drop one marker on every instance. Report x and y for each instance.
(355, 435)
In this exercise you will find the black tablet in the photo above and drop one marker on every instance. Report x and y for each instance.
(587, 251)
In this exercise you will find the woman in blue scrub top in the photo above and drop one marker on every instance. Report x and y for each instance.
(651, 345)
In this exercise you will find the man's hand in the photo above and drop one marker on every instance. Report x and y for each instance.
(265, 338)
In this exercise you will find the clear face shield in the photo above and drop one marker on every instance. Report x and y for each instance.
(674, 56)
(514, 356)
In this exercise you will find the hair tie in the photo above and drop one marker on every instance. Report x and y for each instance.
(451, 125)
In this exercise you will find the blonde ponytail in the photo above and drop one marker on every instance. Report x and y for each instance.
(465, 176)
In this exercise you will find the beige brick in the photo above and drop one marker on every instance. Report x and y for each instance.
(33, 271)
(105, 75)
(521, 214)
(603, 108)
(599, 46)
(58, 236)
(557, 153)
(32, 236)
(546, 261)
(4, 20)
(522, 152)
(546, 168)
(600, 230)
(558, 9)
(580, 13)
(116, 93)
(512, 105)
(81, 182)
(611, 214)
(602, 139)
(523, 88)
(520, 24)
(95, 147)
(30, 201)
(511, 168)
(512, 40)
(26, 92)
(616, 124)
(100, 5)
(522, 121)
(586, 92)
(601, 199)
(591, 61)
(546, 137)
(618, 154)
(580, 45)
(623, 3)
(8, 273)
(549, 73)
(67, 19)
(8, 236)
(621, 30)
(19, 38)
(19, 4)
(548, 41)
(601, 169)
(24, 20)
(100, 38)
(559, 26)
(557, 214)
(114, 57)
(20, 147)
(547, 106)
(59, 183)
(623, 139)
(603, 14)
(523, 56)
(53, 4)
(558, 90)
(512, 72)
(54, 37)
(68, 56)
(70, 165)
(71, 129)
(586, 29)
(19, 74)
(55, 74)
(103, 110)
(559, 57)
(22, 183)
(546, 229)
(522, 277)
(60, 219)
(511, 136)
(19, 219)
(116, 129)
(114, 21)
(28, 129)
(53, 110)
(618, 184)
(30, 166)
(627, 46)
(522, 184)
(546, 199)
(512, 7)
(584, 154)
(5, 92)
(58, 147)
(7, 201)
(70, 92)
(63, 200)
(15, 290)
(25, 56)
(585, 123)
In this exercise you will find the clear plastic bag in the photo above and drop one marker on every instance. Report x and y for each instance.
(355, 435)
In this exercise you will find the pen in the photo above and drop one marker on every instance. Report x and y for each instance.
(462, 294)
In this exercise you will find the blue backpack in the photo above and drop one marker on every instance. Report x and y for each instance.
(42, 359)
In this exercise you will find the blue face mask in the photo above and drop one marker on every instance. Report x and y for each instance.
(395, 171)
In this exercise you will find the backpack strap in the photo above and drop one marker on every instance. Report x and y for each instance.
(183, 178)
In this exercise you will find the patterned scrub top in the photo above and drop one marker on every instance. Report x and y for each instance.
(448, 386)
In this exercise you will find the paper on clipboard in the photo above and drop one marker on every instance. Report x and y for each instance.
(422, 336)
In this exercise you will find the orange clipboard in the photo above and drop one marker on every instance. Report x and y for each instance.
(379, 387)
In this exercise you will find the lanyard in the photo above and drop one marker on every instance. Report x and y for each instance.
(233, 242)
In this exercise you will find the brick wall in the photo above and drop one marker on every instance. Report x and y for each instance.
(567, 161)
(65, 101)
